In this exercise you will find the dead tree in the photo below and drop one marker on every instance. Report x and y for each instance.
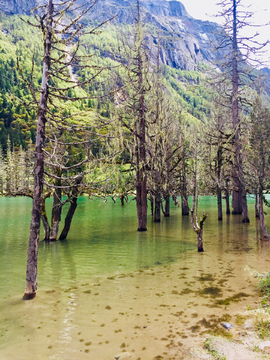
(238, 51)
(61, 39)
(131, 108)
(197, 225)
(259, 158)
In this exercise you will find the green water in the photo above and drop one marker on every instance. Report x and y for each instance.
(102, 240)
(105, 264)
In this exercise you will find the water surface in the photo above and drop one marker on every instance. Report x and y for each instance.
(109, 289)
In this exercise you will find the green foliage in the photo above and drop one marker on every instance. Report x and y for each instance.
(263, 328)
(20, 41)
(264, 285)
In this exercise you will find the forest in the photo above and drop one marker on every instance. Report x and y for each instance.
(92, 110)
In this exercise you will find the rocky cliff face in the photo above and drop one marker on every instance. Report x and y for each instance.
(185, 42)
(17, 6)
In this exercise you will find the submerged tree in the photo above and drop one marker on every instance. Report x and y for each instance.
(61, 39)
(163, 144)
(132, 108)
(259, 156)
(196, 174)
(218, 154)
(237, 72)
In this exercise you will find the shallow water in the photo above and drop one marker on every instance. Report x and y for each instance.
(109, 290)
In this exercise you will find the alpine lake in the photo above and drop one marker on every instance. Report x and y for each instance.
(109, 290)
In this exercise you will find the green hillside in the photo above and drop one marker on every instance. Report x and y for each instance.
(20, 41)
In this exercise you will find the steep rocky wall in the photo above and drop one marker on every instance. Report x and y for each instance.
(17, 6)
(184, 41)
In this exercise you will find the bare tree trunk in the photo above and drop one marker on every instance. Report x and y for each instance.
(167, 206)
(141, 201)
(46, 225)
(122, 198)
(239, 201)
(68, 219)
(157, 208)
(264, 233)
(198, 228)
(244, 207)
(152, 205)
(219, 202)
(236, 197)
(219, 192)
(175, 200)
(32, 254)
(184, 203)
(200, 241)
(184, 197)
(57, 209)
(257, 213)
(71, 210)
(227, 197)
(141, 197)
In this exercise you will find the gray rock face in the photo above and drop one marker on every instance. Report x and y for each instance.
(165, 8)
(17, 6)
(185, 41)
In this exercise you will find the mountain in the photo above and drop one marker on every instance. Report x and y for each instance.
(185, 41)
(17, 6)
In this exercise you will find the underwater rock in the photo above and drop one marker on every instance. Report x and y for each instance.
(124, 356)
(227, 326)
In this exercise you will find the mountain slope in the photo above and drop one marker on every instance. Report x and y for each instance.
(185, 41)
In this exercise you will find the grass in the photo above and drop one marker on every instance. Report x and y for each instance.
(264, 285)
(263, 328)
(210, 348)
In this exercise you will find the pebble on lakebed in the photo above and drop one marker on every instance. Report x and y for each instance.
(227, 326)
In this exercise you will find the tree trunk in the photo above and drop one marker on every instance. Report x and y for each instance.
(141, 197)
(157, 208)
(152, 205)
(244, 207)
(219, 202)
(57, 209)
(200, 241)
(184, 197)
(198, 228)
(236, 195)
(257, 213)
(219, 192)
(236, 199)
(167, 206)
(46, 225)
(227, 197)
(122, 198)
(264, 233)
(71, 210)
(32, 254)
(239, 202)
(141, 202)
(184, 203)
